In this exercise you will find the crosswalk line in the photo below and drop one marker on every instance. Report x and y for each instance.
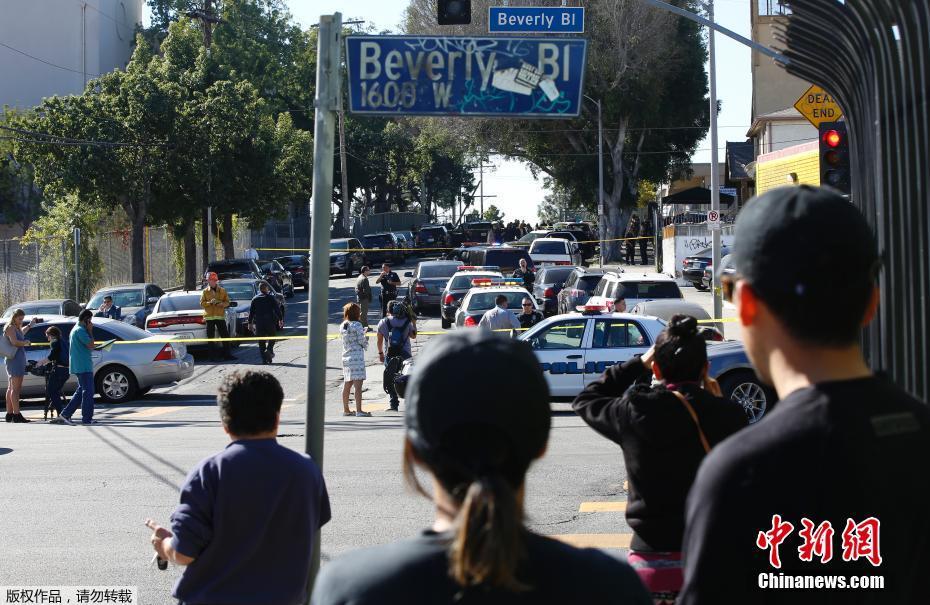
(151, 412)
(602, 507)
(595, 540)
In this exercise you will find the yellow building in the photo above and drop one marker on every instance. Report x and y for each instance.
(798, 165)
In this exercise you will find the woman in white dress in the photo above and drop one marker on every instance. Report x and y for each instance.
(354, 344)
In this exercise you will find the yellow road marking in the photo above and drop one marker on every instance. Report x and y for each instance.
(596, 540)
(150, 412)
(602, 507)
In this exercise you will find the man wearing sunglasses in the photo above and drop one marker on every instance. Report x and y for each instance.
(836, 476)
(528, 316)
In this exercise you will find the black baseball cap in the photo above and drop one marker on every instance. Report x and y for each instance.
(805, 244)
(478, 379)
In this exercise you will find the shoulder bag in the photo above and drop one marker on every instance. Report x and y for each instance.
(7, 348)
(684, 401)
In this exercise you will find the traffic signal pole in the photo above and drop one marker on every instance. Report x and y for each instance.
(327, 103)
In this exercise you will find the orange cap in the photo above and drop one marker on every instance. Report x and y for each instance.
(212, 275)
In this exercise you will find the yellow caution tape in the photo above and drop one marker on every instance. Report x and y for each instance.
(475, 244)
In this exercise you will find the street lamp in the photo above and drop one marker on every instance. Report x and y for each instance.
(601, 226)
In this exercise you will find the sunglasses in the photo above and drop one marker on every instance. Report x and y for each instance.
(527, 305)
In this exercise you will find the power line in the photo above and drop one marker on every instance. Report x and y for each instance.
(55, 139)
(49, 63)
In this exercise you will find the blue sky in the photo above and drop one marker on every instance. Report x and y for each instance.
(518, 194)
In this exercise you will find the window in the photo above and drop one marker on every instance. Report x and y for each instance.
(355, 244)
(610, 290)
(545, 247)
(651, 289)
(72, 308)
(612, 334)
(121, 298)
(239, 291)
(588, 283)
(562, 335)
(572, 280)
(463, 282)
(427, 271)
(378, 241)
(555, 276)
(484, 301)
(601, 286)
(505, 258)
(180, 303)
(102, 335)
(339, 244)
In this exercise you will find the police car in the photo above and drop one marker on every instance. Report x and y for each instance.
(575, 348)
(634, 287)
(480, 299)
(458, 286)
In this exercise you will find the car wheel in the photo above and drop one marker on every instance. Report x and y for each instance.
(446, 324)
(746, 390)
(116, 384)
(349, 270)
(700, 287)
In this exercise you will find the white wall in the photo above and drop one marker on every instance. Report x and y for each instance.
(688, 240)
(780, 135)
(65, 40)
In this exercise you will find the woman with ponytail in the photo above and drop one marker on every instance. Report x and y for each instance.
(666, 413)
(476, 441)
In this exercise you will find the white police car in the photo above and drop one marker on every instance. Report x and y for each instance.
(482, 296)
(574, 349)
(458, 286)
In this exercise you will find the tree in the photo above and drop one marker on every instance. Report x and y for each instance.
(20, 198)
(493, 214)
(647, 69)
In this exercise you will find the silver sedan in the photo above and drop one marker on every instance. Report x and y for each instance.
(136, 362)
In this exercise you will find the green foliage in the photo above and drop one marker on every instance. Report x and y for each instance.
(20, 199)
(53, 233)
(492, 213)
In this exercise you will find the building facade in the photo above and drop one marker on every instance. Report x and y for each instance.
(53, 47)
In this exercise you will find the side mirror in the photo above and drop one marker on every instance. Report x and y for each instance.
(233, 304)
(151, 300)
(408, 274)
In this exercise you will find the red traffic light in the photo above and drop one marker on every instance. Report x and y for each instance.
(832, 138)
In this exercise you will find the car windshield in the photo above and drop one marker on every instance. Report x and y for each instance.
(529, 237)
(555, 276)
(562, 235)
(431, 232)
(548, 247)
(341, 245)
(504, 258)
(231, 267)
(588, 283)
(289, 260)
(35, 309)
(649, 289)
(238, 291)
(463, 282)
(190, 302)
(121, 298)
(428, 271)
(377, 241)
(482, 301)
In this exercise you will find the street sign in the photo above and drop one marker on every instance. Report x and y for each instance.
(817, 105)
(465, 76)
(536, 19)
(713, 220)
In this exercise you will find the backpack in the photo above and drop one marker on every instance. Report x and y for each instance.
(397, 338)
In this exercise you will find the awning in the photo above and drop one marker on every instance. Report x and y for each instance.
(696, 196)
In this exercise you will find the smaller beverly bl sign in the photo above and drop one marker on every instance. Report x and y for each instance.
(536, 19)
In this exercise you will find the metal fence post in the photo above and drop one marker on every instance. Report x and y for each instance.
(77, 258)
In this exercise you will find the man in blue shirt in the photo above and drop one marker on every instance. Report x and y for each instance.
(82, 365)
(248, 515)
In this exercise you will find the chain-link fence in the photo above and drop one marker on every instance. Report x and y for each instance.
(45, 268)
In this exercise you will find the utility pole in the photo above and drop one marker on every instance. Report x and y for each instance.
(207, 20)
(327, 103)
(346, 194)
(714, 167)
(481, 194)
(601, 223)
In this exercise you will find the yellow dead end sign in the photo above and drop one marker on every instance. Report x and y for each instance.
(817, 105)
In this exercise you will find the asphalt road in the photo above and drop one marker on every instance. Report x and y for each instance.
(73, 499)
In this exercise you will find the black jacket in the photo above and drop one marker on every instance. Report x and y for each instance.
(264, 312)
(661, 446)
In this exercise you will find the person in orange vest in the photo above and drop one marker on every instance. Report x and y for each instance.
(214, 301)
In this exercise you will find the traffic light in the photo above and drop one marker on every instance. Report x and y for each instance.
(834, 156)
(454, 12)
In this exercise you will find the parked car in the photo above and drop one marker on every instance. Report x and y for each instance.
(526, 240)
(458, 286)
(40, 308)
(180, 314)
(428, 281)
(578, 288)
(575, 349)
(480, 300)
(555, 251)
(406, 245)
(433, 236)
(233, 269)
(282, 280)
(475, 232)
(635, 287)
(666, 308)
(348, 255)
(135, 301)
(242, 291)
(692, 267)
(728, 269)
(299, 266)
(121, 372)
(381, 248)
(507, 259)
(547, 286)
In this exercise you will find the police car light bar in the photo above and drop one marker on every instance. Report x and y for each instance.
(478, 268)
(591, 309)
(484, 282)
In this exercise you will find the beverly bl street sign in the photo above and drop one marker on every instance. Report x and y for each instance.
(465, 76)
(536, 19)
